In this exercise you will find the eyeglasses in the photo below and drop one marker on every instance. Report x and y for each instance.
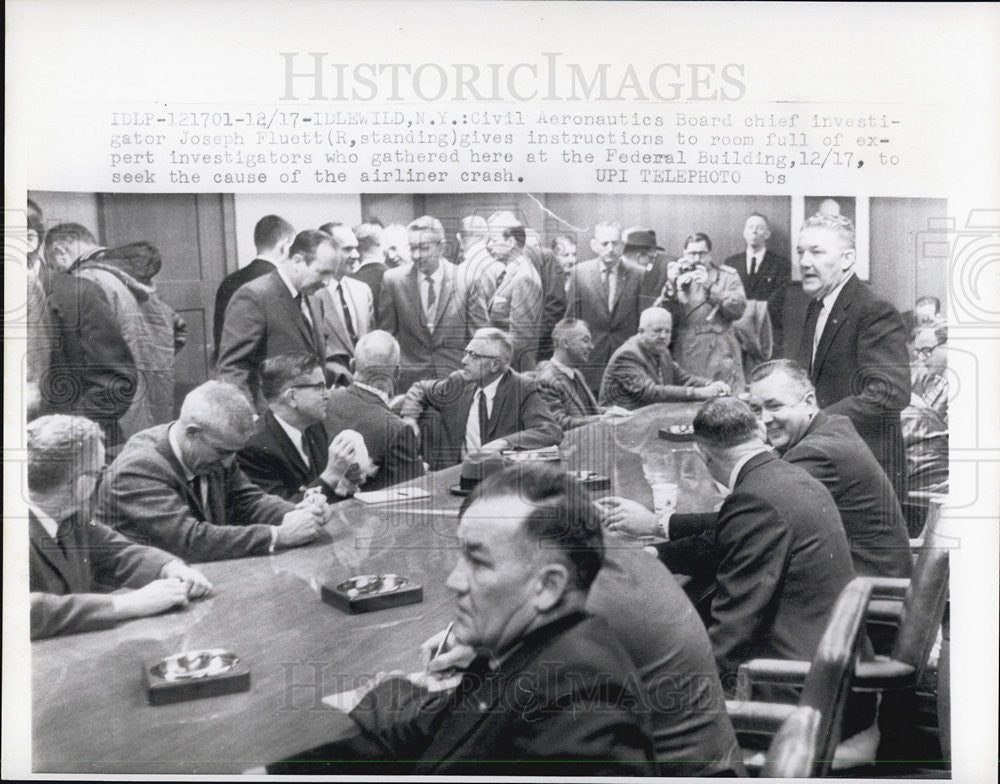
(314, 385)
(474, 355)
(925, 351)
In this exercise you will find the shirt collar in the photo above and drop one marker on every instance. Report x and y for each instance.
(830, 298)
(374, 390)
(742, 462)
(436, 276)
(751, 253)
(175, 447)
(283, 274)
(490, 390)
(564, 369)
(293, 432)
(51, 526)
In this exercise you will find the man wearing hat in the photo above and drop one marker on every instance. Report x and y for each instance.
(604, 292)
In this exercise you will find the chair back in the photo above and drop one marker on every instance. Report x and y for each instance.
(805, 743)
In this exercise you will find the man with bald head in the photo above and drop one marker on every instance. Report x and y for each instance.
(364, 408)
(178, 486)
(371, 259)
(642, 371)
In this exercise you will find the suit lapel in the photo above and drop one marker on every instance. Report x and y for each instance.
(839, 314)
(334, 318)
(293, 313)
(163, 447)
(500, 402)
(49, 551)
(597, 285)
(284, 443)
(447, 289)
(412, 294)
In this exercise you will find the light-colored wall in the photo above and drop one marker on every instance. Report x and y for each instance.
(63, 207)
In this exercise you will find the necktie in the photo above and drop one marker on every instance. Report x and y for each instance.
(431, 301)
(583, 392)
(753, 264)
(484, 417)
(808, 341)
(610, 281)
(201, 486)
(348, 321)
(500, 277)
(817, 334)
(304, 309)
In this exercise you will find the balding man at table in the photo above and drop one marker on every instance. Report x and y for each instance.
(177, 486)
(642, 371)
(72, 557)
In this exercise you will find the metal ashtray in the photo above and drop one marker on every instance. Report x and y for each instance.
(590, 480)
(367, 584)
(195, 664)
(677, 433)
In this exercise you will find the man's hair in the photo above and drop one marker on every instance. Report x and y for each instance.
(270, 230)
(369, 237)
(699, 236)
(36, 221)
(512, 226)
(655, 309)
(797, 375)
(940, 332)
(928, 300)
(475, 225)
(57, 445)
(306, 242)
(428, 228)
(278, 373)
(608, 225)
(839, 224)
(565, 239)
(72, 232)
(725, 422)
(217, 405)
(376, 358)
(327, 228)
(500, 338)
(564, 327)
(760, 215)
(337, 234)
(562, 518)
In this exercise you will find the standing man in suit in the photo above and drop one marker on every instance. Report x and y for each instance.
(421, 305)
(485, 406)
(829, 448)
(371, 259)
(515, 304)
(289, 451)
(178, 486)
(364, 407)
(765, 275)
(274, 314)
(604, 292)
(346, 304)
(72, 556)
(272, 237)
(561, 383)
(853, 343)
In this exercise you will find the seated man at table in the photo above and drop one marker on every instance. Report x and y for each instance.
(549, 689)
(561, 383)
(777, 546)
(641, 371)
(830, 449)
(178, 486)
(289, 451)
(72, 557)
(364, 407)
(485, 406)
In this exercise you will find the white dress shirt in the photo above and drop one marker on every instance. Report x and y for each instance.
(295, 436)
(430, 311)
(824, 313)
(472, 440)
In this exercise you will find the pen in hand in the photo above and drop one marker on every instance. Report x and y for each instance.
(444, 640)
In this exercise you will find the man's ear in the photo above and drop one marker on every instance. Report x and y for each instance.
(553, 582)
(351, 365)
(847, 259)
(284, 246)
(33, 243)
(594, 246)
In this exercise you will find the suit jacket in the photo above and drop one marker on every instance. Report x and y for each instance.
(519, 415)
(391, 444)
(230, 284)
(654, 278)
(563, 703)
(339, 346)
(832, 451)
(65, 576)
(146, 495)
(861, 370)
(768, 283)
(635, 378)
(667, 642)
(516, 308)
(609, 328)
(571, 402)
(371, 274)
(262, 321)
(424, 353)
(91, 371)
(781, 559)
(271, 461)
(553, 295)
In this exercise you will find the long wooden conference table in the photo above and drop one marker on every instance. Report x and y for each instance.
(90, 713)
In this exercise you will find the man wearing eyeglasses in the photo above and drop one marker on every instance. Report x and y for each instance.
(289, 451)
(178, 486)
(484, 406)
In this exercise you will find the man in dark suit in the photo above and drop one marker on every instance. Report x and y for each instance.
(485, 406)
(345, 304)
(272, 237)
(178, 486)
(853, 343)
(604, 292)
(544, 688)
(73, 559)
(289, 451)
(561, 383)
(642, 372)
(765, 274)
(829, 448)
(422, 306)
(274, 314)
(364, 408)
(371, 259)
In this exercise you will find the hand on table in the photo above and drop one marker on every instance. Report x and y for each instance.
(151, 599)
(300, 526)
(628, 517)
(196, 583)
(615, 412)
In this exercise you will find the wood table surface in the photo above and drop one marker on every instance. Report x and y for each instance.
(90, 712)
